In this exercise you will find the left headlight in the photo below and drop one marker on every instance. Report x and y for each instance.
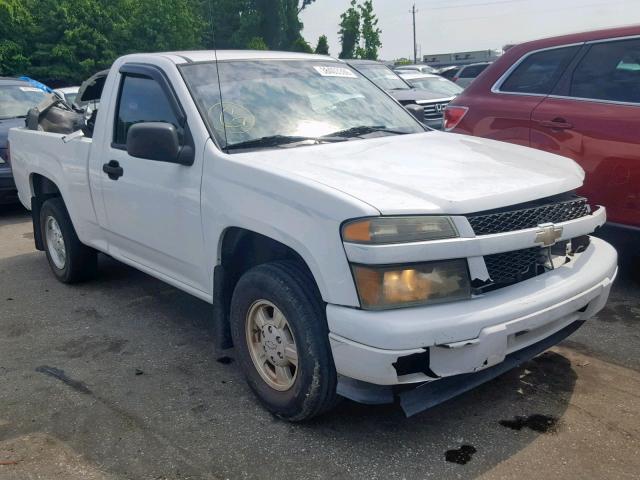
(385, 230)
(411, 285)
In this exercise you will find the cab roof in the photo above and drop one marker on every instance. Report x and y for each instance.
(195, 56)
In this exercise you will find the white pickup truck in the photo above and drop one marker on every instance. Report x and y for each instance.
(345, 249)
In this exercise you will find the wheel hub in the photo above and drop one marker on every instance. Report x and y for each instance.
(55, 243)
(271, 345)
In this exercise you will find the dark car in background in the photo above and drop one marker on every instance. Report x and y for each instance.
(16, 98)
(575, 95)
(386, 79)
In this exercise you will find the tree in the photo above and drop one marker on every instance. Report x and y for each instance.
(322, 48)
(15, 22)
(257, 43)
(349, 31)
(370, 32)
(304, 4)
(72, 39)
(162, 25)
(300, 45)
(65, 41)
(402, 61)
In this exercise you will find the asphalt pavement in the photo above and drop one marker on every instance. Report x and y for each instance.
(116, 379)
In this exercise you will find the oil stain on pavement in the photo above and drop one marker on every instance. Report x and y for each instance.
(536, 422)
(460, 455)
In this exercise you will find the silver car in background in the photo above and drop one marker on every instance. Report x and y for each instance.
(414, 68)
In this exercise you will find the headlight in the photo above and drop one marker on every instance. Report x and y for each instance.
(403, 286)
(380, 230)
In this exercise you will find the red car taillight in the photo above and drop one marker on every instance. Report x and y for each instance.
(453, 116)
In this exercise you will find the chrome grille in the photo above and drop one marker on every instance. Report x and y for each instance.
(520, 219)
(434, 111)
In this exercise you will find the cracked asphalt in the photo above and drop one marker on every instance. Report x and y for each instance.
(116, 379)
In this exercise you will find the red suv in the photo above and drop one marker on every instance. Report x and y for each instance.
(575, 95)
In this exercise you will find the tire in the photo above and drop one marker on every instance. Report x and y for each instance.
(285, 286)
(79, 262)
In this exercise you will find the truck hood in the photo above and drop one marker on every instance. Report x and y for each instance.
(429, 172)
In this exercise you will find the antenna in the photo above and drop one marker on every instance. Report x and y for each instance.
(215, 54)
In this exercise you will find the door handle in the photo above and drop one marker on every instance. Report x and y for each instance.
(113, 169)
(556, 124)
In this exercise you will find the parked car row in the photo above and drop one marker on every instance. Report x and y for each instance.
(462, 75)
(430, 96)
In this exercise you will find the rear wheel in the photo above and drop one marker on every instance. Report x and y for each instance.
(69, 259)
(281, 338)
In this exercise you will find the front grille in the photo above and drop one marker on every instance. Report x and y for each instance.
(508, 268)
(522, 218)
(434, 111)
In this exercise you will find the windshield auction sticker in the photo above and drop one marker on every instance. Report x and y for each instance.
(335, 72)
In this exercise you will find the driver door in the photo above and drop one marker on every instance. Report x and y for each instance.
(153, 207)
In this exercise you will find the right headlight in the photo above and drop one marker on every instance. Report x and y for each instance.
(385, 230)
(411, 285)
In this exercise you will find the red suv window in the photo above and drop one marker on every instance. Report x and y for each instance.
(539, 72)
(609, 71)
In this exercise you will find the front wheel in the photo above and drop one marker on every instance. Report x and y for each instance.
(281, 338)
(69, 259)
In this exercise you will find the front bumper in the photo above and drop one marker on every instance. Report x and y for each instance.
(468, 336)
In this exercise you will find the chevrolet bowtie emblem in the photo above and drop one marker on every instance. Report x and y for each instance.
(547, 234)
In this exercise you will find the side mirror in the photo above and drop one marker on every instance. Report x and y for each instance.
(417, 111)
(158, 141)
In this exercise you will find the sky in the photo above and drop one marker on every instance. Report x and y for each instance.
(445, 26)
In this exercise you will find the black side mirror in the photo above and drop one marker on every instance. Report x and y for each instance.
(417, 111)
(158, 141)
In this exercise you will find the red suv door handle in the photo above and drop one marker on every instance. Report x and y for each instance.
(556, 124)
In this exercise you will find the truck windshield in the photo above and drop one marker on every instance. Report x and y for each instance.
(267, 103)
(16, 100)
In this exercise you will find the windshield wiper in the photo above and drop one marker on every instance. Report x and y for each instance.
(363, 130)
(277, 140)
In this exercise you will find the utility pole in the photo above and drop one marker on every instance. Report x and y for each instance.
(415, 46)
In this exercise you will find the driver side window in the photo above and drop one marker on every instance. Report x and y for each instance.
(141, 100)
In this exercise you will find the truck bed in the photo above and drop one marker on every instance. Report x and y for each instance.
(36, 153)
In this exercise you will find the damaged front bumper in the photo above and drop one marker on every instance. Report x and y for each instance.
(470, 341)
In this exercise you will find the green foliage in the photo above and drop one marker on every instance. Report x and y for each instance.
(402, 61)
(257, 43)
(370, 32)
(359, 32)
(349, 31)
(300, 45)
(322, 48)
(161, 25)
(15, 22)
(65, 41)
